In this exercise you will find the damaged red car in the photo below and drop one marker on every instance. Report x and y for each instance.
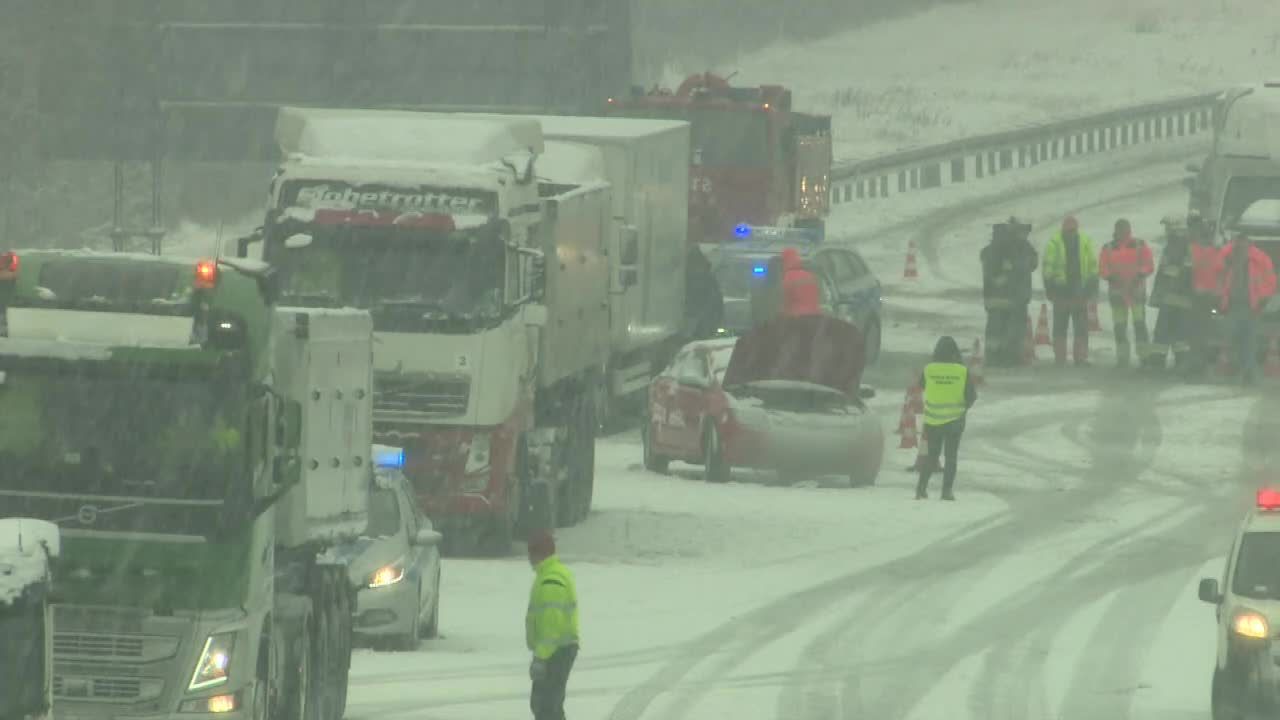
(787, 397)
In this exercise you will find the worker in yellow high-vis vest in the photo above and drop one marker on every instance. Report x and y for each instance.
(948, 395)
(551, 628)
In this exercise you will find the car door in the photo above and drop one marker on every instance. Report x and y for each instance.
(693, 381)
(427, 555)
(863, 290)
(414, 560)
(835, 301)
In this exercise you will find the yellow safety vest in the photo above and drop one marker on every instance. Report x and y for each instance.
(944, 385)
(552, 620)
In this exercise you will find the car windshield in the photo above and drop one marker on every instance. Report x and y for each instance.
(400, 274)
(737, 276)
(118, 433)
(1257, 571)
(384, 513)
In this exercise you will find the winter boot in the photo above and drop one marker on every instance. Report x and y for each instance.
(1060, 351)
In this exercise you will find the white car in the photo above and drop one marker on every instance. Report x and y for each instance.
(397, 566)
(1246, 677)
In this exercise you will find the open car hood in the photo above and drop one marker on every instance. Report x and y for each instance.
(812, 349)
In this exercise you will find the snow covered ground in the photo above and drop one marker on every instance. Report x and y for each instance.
(970, 68)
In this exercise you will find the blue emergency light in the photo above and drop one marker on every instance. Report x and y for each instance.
(758, 270)
(743, 230)
(388, 457)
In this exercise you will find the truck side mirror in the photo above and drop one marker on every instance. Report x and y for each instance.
(1209, 591)
(242, 244)
(427, 537)
(288, 425)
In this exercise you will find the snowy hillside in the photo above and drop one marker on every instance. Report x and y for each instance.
(961, 70)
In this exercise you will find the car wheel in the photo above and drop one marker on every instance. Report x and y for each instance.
(431, 628)
(1218, 707)
(871, 350)
(409, 641)
(714, 469)
(653, 462)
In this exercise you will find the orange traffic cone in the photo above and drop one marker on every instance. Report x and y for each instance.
(1095, 325)
(1224, 363)
(905, 419)
(915, 397)
(1028, 345)
(911, 272)
(910, 438)
(1042, 327)
(977, 363)
(1272, 367)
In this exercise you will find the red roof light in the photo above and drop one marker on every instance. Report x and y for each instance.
(206, 275)
(1268, 499)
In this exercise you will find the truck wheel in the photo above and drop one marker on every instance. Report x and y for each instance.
(653, 462)
(320, 697)
(344, 627)
(574, 501)
(298, 703)
(1218, 708)
(261, 709)
(715, 469)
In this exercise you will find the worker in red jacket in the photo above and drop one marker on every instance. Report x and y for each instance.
(1247, 278)
(800, 293)
(1126, 263)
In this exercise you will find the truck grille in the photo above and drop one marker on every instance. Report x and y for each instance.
(97, 646)
(400, 397)
(97, 688)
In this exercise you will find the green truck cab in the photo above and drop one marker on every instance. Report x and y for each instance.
(201, 450)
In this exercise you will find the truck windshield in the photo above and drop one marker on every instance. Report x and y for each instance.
(402, 275)
(720, 137)
(117, 435)
(1257, 571)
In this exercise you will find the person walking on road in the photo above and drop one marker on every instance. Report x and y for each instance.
(948, 395)
(1174, 296)
(1125, 264)
(800, 292)
(1248, 279)
(551, 628)
(1007, 264)
(1070, 276)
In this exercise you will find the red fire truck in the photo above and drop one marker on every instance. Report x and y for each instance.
(753, 160)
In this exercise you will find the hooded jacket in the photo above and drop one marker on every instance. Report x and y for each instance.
(1007, 265)
(1261, 274)
(800, 293)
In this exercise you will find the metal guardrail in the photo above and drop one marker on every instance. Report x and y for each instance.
(985, 156)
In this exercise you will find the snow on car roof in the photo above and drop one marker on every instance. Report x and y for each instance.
(405, 135)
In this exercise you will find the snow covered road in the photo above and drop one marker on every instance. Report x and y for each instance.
(1061, 585)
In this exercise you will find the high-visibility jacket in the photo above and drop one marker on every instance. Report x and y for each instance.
(945, 392)
(1204, 269)
(1126, 264)
(1262, 277)
(551, 622)
(800, 292)
(1054, 268)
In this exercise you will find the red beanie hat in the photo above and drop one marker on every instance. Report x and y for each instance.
(541, 545)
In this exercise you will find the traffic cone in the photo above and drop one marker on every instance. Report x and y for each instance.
(905, 419)
(1272, 367)
(1224, 363)
(915, 398)
(911, 272)
(977, 363)
(1095, 325)
(1042, 327)
(1028, 346)
(910, 438)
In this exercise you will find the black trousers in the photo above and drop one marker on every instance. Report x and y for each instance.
(942, 439)
(547, 697)
(1006, 334)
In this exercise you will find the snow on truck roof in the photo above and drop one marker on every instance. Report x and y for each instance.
(1252, 124)
(25, 546)
(404, 136)
(571, 163)
(408, 175)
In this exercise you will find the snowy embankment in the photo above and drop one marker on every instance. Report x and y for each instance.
(972, 68)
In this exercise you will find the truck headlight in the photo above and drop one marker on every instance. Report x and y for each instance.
(215, 660)
(1250, 625)
(387, 575)
(478, 458)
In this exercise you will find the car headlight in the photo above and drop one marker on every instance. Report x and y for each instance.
(387, 575)
(215, 661)
(478, 457)
(1250, 625)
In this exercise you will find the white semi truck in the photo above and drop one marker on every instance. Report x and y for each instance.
(489, 297)
(27, 547)
(202, 450)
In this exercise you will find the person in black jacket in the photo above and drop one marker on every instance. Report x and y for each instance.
(1007, 264)
(948, 394)
(1173, 294)
(704, 303)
